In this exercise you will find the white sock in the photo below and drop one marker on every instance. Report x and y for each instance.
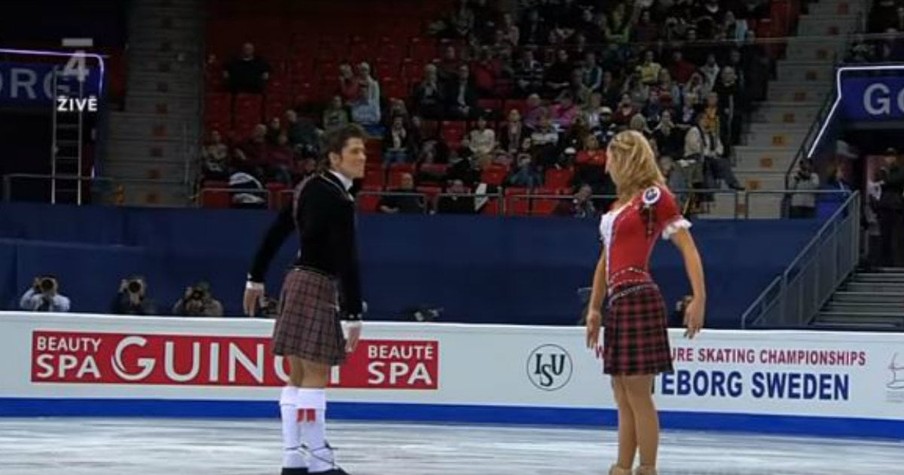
(312, 419)
(288, 412)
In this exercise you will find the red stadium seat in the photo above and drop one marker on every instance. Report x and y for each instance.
(374, 150)
(558, 178)
(453, 132)
(517, 201)
(431, 194)
(374, 176)
(492, 105)
(396, 170)
(216, 194)
(519, 104)
(544, 206)
(437, 169)
(367, 201)
(494, 175)
(491, 207)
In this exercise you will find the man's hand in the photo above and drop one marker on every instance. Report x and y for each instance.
(254, 292)
(352, 335)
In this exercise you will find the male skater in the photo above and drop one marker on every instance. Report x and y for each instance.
(322, 288)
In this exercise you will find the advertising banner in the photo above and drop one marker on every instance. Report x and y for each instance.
(91, 365)
(873, 98)
(31, 84)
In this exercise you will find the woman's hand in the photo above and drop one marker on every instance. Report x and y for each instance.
(594, 321)
(693, 317)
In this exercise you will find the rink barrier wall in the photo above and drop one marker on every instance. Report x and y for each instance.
(789, 382)
(521, 270)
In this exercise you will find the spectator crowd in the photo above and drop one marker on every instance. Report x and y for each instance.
(542, 89)
(884, 41)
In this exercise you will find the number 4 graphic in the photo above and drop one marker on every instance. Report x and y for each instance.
(76, 66)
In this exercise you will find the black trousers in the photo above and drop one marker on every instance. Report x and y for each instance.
(891, 230)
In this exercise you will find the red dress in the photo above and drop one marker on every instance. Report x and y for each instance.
(635, 338)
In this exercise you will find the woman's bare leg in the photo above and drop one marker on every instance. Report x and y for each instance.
(627, 432)
(639, 392)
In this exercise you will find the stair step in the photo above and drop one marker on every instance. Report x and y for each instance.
(158, 46)
(129, 168)
(867, 297)
(865, 306)
(177, 109)
(884, 277)
(893, 270)
(184, 11)
(756, 159)
(785, 115)
(156, 36)
(754, 206)
(172, 85)
(874, 287)
(123, 149)
(844, 325)
(864, 315)
(755, 180)
(779, 92)
(158, 195)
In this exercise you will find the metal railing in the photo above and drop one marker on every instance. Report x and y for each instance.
(508, 204)
(793, 298)
(505, 204)
(100, 189)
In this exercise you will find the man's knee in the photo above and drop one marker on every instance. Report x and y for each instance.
(315, 374)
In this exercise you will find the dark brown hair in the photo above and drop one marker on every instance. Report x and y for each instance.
(336, 140)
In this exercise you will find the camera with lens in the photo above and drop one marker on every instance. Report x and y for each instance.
(196, 294)
(135, 286)
(47, 285)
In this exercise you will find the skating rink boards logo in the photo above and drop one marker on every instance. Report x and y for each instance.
(895, 385)
(549, 367)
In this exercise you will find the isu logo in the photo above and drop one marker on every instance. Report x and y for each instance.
(74, 357)
(549, 367)
(897, 374)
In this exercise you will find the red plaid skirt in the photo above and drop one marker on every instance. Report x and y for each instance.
(635, 338)
(308, 324)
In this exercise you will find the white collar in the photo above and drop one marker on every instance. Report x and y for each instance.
(346, 181)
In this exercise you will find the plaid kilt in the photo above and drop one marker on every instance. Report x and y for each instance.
(308, 324)
(635, 337)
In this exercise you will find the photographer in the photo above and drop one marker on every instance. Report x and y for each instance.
(803, 205)
(44, 296)
(198, 302)
(132, 298)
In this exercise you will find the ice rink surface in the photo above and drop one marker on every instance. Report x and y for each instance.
(252, 447)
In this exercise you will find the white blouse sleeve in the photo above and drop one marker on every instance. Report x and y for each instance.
(674, 227)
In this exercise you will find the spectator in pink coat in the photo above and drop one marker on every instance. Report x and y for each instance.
(564, 111)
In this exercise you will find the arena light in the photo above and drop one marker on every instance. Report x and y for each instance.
(31, 52)
(839, 98)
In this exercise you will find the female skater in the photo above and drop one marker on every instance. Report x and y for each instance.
(635, 342)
